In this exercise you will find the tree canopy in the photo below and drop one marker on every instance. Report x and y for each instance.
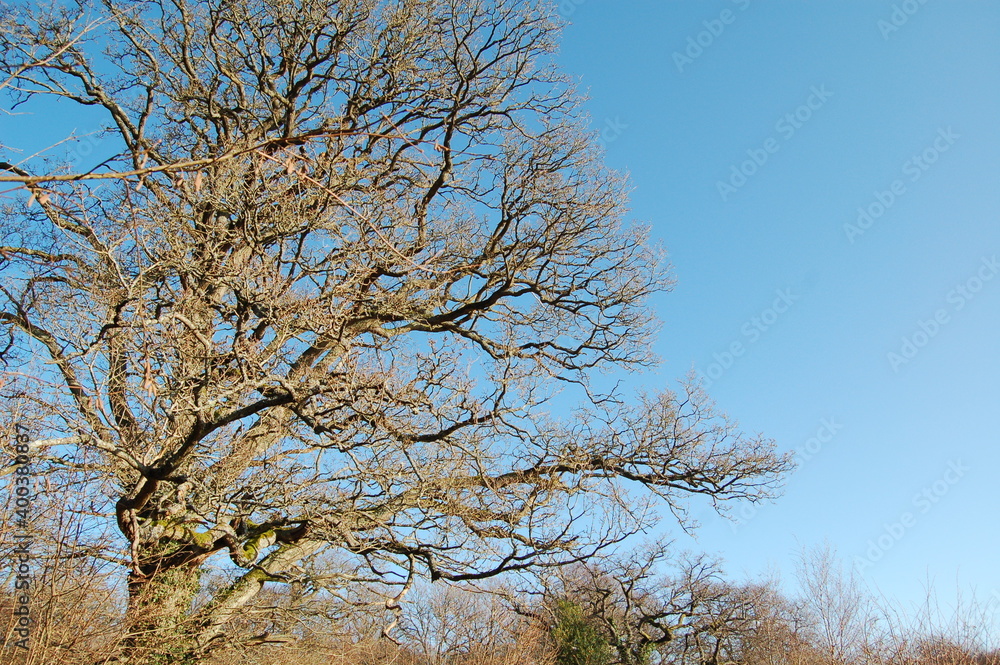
(317, 304)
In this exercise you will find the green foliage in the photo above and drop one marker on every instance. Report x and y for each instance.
(578, 641)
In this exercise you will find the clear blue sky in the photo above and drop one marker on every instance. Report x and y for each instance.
(899, 118)
(751, 153)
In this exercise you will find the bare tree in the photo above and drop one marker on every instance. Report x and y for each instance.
(655, 606)
(840, 611)
(323, 297)
(835, 619)
(450, 624)
(782, 633)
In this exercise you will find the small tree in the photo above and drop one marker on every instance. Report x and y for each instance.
(653, 606)
(319, 297)
(578, 640)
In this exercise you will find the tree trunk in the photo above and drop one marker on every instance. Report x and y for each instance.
(158, 619)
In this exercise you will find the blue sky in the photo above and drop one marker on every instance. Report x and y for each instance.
(806, 113)
(754, 132)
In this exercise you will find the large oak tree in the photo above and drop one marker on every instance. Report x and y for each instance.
(316, 301)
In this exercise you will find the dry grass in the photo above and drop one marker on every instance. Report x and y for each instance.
(77, 607)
